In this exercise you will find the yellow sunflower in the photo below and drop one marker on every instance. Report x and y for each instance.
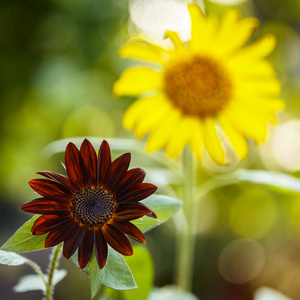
(208, 92)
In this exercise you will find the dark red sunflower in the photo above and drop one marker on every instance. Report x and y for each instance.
(93, 206)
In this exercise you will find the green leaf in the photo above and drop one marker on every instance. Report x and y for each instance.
(11, 258)
(95, 275)
(270, 178)
(24, 241)
(141, 266)
(34, 282)
(117, 274)
(114, 143)
(163, 206)
(280, 181)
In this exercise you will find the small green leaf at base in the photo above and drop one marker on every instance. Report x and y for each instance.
(11, 258)
(163, 206)
(34, 282)
(24, 241)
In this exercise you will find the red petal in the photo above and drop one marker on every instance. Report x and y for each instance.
(44, 206)
(104, 162)
(59, 178)
(101, 249)
(131, 230)
(137, 193)
(117, 170)
(132, 211)
(46, 223)
(117, 239)
(61, 233)
(72, 161)
(71, 244)
(85, 250)
(131, 178)
(89, 159)
(50, 189)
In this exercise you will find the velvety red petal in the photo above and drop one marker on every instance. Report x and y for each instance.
(85, 250)
(72, 243)
(131, 230)
(117, 239)
(132, 211)
(117, 170)
(50, 189)
(61, 233)
(89, 159)
(136, 193)
(101, 248)
(104, 161)
(73, 165)
(44, 206)
(46, 223)
(131, 178)
(59, 178)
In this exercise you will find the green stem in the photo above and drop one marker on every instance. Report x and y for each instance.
(52, 267)
(186, 236)
(38, 270)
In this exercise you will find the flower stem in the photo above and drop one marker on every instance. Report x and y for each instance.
(52, 267)
(186, 236)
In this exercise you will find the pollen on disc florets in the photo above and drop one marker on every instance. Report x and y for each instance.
(198, 86)
(93, 206)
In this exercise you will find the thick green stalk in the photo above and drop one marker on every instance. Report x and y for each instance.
(52, 267)
(186, 236)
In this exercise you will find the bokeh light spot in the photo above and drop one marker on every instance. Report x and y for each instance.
(241, 260)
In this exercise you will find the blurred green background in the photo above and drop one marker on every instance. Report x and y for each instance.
(58, 63)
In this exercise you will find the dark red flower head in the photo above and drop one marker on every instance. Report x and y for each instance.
(93, 206)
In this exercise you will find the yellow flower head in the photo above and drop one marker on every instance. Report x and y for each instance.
(204, 93)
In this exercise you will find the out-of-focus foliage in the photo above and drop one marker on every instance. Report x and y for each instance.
(58, 63)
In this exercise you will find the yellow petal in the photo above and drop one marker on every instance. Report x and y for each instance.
(152, 117)
(180, 137)
(136, 111)
(196, 139)
(212, 142)
(260, 87)
(248, 123)
(175, 39)
(138, 80)
(160, 136)
(256, 50)
(234, 32)
(144, 51)
(248, 69)
(203, 28)
(237, 140)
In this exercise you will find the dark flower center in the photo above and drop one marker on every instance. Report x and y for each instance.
(199, 86)
(93, 206)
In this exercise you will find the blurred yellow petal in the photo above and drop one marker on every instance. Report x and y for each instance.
(212, 142)
(266, 87)
(175, 39)
(256, 50)
(248, 124)
(136, 111)
(203, 29)
(196, 139)
(152, 117)
(180, 137)
(237, 140)
(249, 69)
(234, 32)
(144, 51)
(160, 136)
(138, 80)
